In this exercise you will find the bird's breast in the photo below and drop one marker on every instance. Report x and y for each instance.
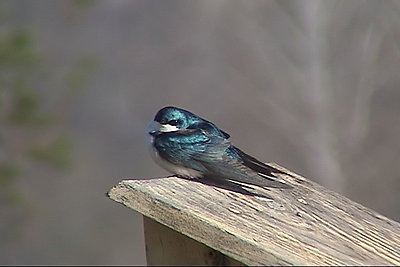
(167, 165)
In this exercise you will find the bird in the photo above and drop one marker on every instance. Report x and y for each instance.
(191, 147)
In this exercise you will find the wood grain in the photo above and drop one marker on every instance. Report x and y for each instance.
(306, 225)
(165, 246)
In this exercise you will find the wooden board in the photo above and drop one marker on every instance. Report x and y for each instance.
(306, 225)
(165, 246)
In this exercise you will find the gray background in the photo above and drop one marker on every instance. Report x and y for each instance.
(310, 85)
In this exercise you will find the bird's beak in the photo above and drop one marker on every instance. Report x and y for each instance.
(153, 127)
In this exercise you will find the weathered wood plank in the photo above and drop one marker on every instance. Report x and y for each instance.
(307, 225)
(165, 246)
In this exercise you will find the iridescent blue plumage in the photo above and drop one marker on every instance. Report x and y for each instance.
(190, 146)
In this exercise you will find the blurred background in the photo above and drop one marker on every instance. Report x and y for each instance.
(311, 85)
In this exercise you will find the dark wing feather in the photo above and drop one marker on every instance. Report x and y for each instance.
(257, 165)
(222, 165)
(233, 170)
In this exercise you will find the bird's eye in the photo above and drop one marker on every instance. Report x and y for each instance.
(173, 122)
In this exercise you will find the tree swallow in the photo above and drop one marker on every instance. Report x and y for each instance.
(192, 147)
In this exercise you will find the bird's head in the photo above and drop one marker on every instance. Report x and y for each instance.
(171, 119)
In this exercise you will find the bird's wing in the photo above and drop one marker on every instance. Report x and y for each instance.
(204, 150)
(257, 165)
(235, 171)
(224, 161)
